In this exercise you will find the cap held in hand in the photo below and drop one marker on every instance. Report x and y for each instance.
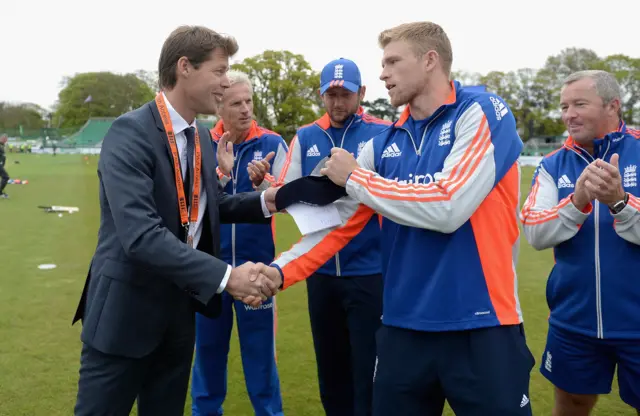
(315, 190)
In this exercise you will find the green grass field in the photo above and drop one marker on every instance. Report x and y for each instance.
(39, 349)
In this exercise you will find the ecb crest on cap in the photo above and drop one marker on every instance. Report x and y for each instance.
(337, 73)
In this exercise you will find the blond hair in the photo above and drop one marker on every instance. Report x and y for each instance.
(423, 37)
(239, 77)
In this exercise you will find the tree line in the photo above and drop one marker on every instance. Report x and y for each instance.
(534, 94)
(285, 93)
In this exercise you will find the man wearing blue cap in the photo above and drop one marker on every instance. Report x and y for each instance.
(345, 295)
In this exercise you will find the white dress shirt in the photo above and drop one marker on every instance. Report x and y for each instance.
(179, 125)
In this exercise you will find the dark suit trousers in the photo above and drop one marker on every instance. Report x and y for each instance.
(109, 384)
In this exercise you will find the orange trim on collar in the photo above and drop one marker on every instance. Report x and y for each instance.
(218, 130)
(325, 122)
(571, 143)
(451, 99)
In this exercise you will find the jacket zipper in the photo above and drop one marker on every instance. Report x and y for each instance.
(596, 226)
(597, 266)
(424, 133)
(337, 256)
(597, 262)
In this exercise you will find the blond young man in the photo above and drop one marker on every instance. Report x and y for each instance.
(445, 177)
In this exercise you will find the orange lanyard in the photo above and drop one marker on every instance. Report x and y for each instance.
(186, 218)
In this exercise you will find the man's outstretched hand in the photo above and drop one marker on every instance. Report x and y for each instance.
(271, 275)
(247, 282)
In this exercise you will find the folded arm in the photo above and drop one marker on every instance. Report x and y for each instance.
(546, 220)
(470, 172)
(126, 171)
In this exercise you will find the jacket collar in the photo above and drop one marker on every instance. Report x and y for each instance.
(324, 122)
(177, 122)
(610, 141)
(451, 99)
(218, 130)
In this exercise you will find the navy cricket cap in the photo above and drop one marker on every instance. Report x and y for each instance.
(309, 190)
(312, 190)
(340, 73)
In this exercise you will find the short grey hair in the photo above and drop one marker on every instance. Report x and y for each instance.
(607, 86)
(239, 77)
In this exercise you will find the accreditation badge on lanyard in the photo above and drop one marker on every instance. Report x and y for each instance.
(186, 218)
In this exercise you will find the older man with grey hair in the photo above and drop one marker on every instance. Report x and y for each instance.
(238, 136)
(584, 204)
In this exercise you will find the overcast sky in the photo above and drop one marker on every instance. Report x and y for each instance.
(43, 41)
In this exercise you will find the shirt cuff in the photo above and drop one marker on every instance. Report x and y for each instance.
(627, 213)
(221, 174)
(265, 210)
(263, 186)
(281, 274)
(225, 279)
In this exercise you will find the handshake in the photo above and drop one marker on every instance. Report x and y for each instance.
(253, 283)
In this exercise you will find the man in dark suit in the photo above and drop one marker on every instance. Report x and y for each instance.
(156, 261)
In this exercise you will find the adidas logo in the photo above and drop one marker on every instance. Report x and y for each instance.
(564, 182)
(313, 151)
(392, 151)
(524, 401)
(499, 107)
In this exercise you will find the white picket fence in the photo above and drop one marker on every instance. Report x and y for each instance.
(67, 151)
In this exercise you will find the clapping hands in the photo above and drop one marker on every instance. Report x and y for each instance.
(224, 154)
(253, 283)
(599, 181)
(258, 169)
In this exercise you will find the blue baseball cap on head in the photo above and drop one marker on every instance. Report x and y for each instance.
(340, 73)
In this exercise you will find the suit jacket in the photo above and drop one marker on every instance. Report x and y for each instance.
(142, 275)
